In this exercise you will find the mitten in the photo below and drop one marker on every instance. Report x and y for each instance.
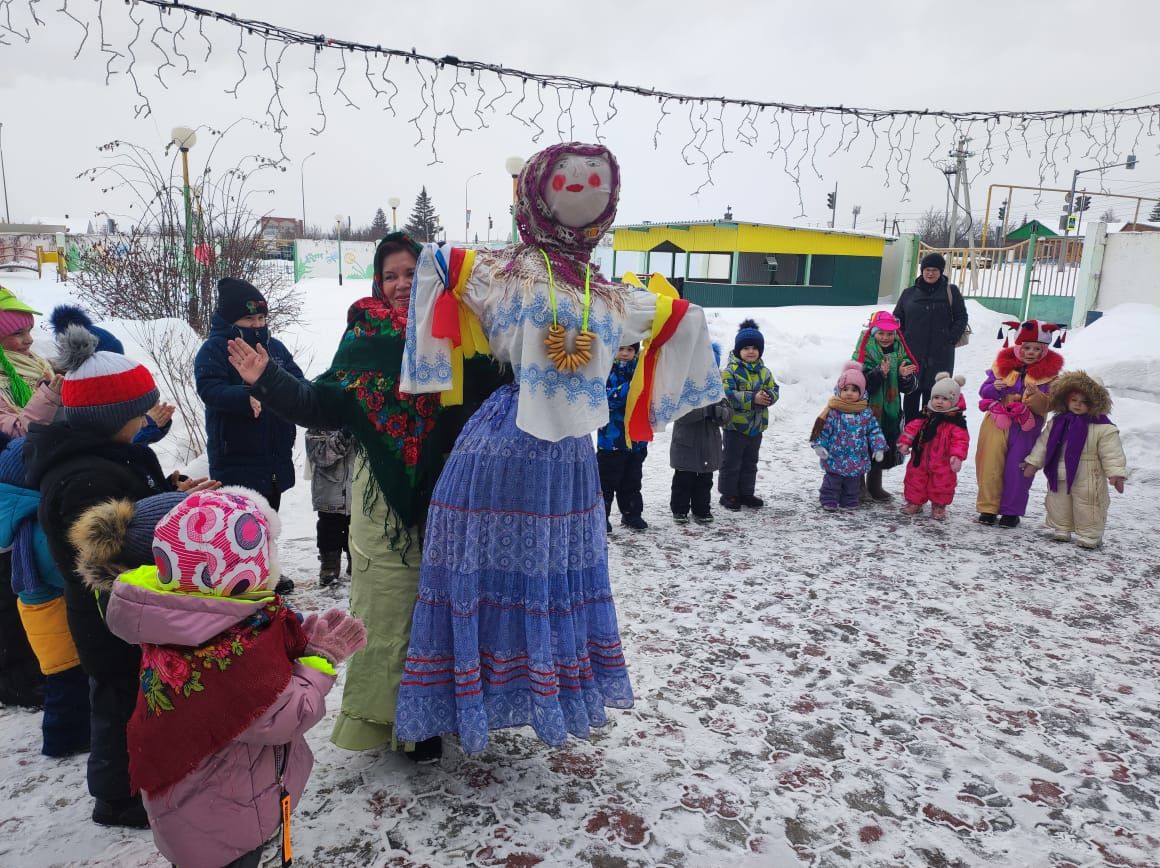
(1001, 421)
(879, 455)
(822, 452)
(956, 464)
(309, 623)
(903, 448)
(336, 635)
(1026, 419)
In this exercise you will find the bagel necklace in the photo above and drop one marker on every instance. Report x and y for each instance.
(567, 362)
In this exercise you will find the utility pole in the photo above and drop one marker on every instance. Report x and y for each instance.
(962, 187)
(884, 216)
(4, 177)
(857, 211)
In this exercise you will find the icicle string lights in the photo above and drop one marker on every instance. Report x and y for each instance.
(796, 134)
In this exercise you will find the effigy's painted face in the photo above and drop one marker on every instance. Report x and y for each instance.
(578, 189)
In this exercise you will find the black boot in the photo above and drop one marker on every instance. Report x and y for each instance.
(751, 501)
(330, 569)
(430, 750)
(874, 487)
(634, 521)
(1009, 521)
(129, 813)
(987, 518)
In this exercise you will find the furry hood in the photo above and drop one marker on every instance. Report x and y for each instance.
(1007, 363)
(98, 536)
(1087, 385)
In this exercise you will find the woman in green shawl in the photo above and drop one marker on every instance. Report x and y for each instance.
(891, 372)
(403, 442)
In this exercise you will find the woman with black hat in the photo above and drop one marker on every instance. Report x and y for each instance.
(933, 317)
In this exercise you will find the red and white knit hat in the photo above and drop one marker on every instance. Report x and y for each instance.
(101, 391)
(218, 542)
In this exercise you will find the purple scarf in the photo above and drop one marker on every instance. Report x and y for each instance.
(1068, 432)
(569, 249)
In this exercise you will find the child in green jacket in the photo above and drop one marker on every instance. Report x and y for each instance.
(751, 391)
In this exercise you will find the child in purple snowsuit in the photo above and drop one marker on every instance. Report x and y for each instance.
(845, 436)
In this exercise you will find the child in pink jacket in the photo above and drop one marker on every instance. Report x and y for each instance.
(231, 680)
(937, 442)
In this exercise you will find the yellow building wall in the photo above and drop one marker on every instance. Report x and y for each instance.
(748, 238)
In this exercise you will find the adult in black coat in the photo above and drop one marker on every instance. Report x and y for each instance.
(933, 317)
(246, 446)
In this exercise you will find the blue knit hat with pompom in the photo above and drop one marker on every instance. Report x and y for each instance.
(749, 336)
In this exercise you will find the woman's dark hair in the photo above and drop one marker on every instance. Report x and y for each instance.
(395, 242)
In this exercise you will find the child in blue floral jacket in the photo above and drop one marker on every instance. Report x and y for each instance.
(845, 436)
(621, 466)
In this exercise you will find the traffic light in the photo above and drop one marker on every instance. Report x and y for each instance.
(1002, 212)
(489, 223)
(1083, 203)
(1131, 164)
(831, 201)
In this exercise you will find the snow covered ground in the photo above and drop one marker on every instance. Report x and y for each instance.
(813, 689)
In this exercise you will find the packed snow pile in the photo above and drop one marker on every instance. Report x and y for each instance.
(813, 689)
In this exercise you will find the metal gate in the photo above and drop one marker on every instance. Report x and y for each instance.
(1034, 278)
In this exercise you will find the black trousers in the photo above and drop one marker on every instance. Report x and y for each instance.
(738, 474)
(111, 703)
(913, 403)
(691, 489)
(333, 532)
(620, 478)
(274, 497)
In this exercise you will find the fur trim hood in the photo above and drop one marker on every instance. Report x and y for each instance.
(1042, 371)
(98, 536)
(1088, 386)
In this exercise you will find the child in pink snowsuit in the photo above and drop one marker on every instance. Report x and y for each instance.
(937, 443)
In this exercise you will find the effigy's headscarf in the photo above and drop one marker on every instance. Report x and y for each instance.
(569, 248)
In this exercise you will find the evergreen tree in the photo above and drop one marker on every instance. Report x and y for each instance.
(1155, 215)
(423, 224)
(379, 225)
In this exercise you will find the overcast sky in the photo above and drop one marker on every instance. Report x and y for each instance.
(888, 54)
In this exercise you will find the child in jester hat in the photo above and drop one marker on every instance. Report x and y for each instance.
(231, 680)
(29, 388)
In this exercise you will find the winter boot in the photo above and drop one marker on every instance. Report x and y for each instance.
(863, 491)
(428, 751)
(730, 502)
(129, 813)
(634, 521)
(987, 518)
(751, 501)
(330, 569)
(1008, 521)
(284, 587)
(874, 487)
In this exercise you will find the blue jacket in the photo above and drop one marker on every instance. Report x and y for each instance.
(35, 577)
(850, 438)
(611, 437)
(243, 450)
(151, 432)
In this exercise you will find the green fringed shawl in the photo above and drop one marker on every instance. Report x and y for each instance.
(885, 403)
(361, 388)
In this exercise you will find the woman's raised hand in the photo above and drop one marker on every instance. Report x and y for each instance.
(250, 363)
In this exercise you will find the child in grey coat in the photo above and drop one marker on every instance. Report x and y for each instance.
(331, 458)
(694, 455)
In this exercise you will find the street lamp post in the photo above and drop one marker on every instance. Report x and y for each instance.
(394, 203)
(302, 186)
(467, 210)
(4, 177)
(185, 138)
(514, 166)
(338, 231)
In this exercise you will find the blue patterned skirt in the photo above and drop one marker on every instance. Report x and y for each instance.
(514, 624)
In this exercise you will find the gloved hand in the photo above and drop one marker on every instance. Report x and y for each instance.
(335, 636)
(821, 452)
(309, 623)
(904, 448)
(879, 455)
(956, 463)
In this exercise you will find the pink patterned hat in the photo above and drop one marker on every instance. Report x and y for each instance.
(218, 542)
(884, 321)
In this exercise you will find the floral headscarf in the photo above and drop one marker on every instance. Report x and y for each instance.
(568, 248)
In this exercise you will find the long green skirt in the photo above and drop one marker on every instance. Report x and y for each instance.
(382, 594)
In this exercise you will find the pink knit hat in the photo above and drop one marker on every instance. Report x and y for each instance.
(218, 542)
(851, 376)
(15, 315)
(884, 321)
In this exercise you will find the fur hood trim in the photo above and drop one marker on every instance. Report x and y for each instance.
(98, 536)
(1088, 386)
(1043, 371)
